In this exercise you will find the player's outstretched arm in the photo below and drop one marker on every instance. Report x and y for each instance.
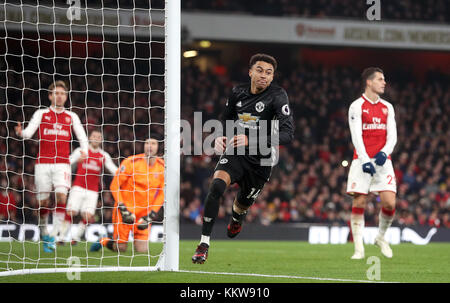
(32, 127)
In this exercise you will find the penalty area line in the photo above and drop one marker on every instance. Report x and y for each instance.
(280, 276)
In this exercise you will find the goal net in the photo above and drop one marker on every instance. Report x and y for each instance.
(120, 61)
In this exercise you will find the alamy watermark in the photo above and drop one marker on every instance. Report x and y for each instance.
(374, 11)
(74, 10)
(374, 271)
(262, 137)
(74, 264)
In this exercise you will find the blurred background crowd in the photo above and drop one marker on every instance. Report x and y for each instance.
(430, 11)
(436, 11)
(308, 184)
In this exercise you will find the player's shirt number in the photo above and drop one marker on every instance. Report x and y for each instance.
(253, 195)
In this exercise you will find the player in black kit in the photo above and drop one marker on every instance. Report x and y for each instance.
(250, 108)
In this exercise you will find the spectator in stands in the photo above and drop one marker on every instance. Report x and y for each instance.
(7, 203)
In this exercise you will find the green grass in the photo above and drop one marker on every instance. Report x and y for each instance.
(411, 263)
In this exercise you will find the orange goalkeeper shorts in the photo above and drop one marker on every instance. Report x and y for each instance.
(122, 230)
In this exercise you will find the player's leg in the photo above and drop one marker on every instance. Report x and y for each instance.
(43, 183)
(72, 208)
(111, 244)
(44, 211)
(141, 237)
(238, 212)
(385, 185)
(228, 170)
(59, 214)
(221, 180)
(358, 184)
(61, 179)
(250, 187)
(119, 242)
(386, 217)
(86, 218)
(87, 211)
(141, 246)
(357, 224)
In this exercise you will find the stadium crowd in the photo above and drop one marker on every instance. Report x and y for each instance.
(434, 11)
(309, 183)
(430, 11)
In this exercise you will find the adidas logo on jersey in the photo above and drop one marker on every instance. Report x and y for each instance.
(239, 104)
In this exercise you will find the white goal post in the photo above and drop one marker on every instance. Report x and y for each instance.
(34, 22)
(172, 135)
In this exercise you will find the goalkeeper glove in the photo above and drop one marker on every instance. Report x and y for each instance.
(368, 168)
(380, 158)
(127, 216)
(146, 220)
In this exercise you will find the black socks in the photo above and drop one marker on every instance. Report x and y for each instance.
(238, 217)
(212, 203)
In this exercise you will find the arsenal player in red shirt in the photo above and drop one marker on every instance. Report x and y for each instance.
(52, 170)
(84, 193)
(374, 135)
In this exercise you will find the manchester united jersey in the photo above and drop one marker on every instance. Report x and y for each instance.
(248, 111)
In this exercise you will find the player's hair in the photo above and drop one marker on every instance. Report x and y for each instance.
(95, 129)
(58, 83)
(155, 136)
(263, 57)
(368, 74)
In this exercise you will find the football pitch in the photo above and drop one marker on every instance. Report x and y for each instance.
(237, 261)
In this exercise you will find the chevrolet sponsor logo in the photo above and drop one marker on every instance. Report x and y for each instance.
(246, 117)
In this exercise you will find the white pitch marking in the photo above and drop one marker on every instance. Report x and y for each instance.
(281, 276)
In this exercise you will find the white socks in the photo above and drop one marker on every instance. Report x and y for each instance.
(385, 220)
(357, 225)
(80, 231)
(204, 239)
(43, 220)
(58, 219)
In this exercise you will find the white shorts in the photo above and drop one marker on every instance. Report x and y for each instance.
(362, 183)
(82, 200)
(47, 176)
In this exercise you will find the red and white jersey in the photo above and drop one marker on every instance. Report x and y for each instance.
(373, 127)
(89, 171)
(55, 134)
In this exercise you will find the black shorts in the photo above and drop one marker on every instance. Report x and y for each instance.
(251, 178)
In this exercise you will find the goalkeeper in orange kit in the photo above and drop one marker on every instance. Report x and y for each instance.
(137, 189)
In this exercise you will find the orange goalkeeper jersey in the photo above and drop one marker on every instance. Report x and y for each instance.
(139, 185)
